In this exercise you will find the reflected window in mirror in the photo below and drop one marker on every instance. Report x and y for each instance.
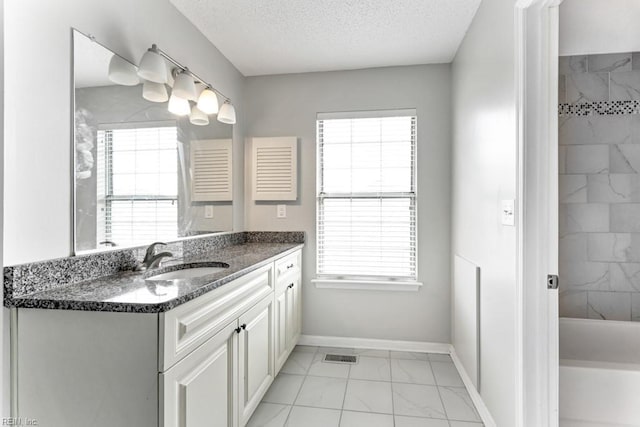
(137, 184)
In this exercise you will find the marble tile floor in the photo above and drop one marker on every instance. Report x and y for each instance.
(384, 389)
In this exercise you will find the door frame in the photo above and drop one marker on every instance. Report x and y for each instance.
(537, 42)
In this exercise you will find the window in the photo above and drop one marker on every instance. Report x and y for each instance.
(366, 201)
(137, 185)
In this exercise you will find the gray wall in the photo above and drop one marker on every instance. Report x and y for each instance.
(286, 105)
(484, 173)
(38, 125)
(599, 186)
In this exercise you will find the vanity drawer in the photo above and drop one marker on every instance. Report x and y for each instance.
(289, 265)
(187, 326)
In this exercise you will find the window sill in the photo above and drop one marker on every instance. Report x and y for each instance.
(367, 285)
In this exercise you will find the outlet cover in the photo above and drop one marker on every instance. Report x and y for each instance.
(208, 211)
(508, 212)
(282, 211)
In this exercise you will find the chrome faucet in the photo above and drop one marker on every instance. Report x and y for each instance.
(153, 260)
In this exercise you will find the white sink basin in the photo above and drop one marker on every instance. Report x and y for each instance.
(190, 272)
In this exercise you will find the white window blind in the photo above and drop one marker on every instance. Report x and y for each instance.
(137, 185)
(366, 216)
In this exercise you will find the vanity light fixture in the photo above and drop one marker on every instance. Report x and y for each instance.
(227, 113)
(123, 72)
(179, 106)
(184, 86)
(197, 117)
(154, 92)
(153, 66)
(208, 102)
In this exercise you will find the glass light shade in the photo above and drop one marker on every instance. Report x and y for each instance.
(154, 92)
(185, 87)
(227, 113)
(123, 72)
(198, 117)
(208, 102)
(179, 106)
(152, 67)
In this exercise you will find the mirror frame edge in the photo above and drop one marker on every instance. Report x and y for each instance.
(72, 147)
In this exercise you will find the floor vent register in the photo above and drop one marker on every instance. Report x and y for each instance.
(340, 358)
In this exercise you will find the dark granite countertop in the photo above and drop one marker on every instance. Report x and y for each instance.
(128, 291)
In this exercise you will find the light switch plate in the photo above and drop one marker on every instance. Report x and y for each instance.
(508, 212)
(282, 211)
(208, 211)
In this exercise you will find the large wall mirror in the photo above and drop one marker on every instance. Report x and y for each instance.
(138, 167)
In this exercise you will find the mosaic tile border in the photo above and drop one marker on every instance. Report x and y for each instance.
(600, 108)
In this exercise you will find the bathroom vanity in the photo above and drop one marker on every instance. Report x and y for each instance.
(122, 350)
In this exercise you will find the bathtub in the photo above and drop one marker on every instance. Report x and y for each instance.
(599, 373)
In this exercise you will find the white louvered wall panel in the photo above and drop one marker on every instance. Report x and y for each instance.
(211, 170)
(275, 169)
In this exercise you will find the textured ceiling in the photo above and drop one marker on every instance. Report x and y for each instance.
(291, 36)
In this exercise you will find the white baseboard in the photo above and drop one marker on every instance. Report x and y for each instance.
(483, 411)
(375, 344)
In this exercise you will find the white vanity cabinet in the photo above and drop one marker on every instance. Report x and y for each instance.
(207, 362)
(199, 390)
(288, 306)
(256, 368)
(225, 376)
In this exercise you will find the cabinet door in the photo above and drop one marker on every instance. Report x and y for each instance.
(281, 343)
(200, 389)
(256, 357)
(293, 312)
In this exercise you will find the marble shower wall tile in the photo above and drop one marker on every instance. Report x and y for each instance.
(612, 188)
(599, 141)
(609, 305)
(625, 218)
(587, 87)
(635, 307)
(562, 159)
(562, 89)
(613, 247)
(584, 217)
(610, 62)
(573, 189)
(573, 304)
(573, 247)
(635, 61)
(587, 159)
(584, 276)
(572, 64)
(624, 158)
(587, 130)
(610, 247)
(625, 86)
(624, 277)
